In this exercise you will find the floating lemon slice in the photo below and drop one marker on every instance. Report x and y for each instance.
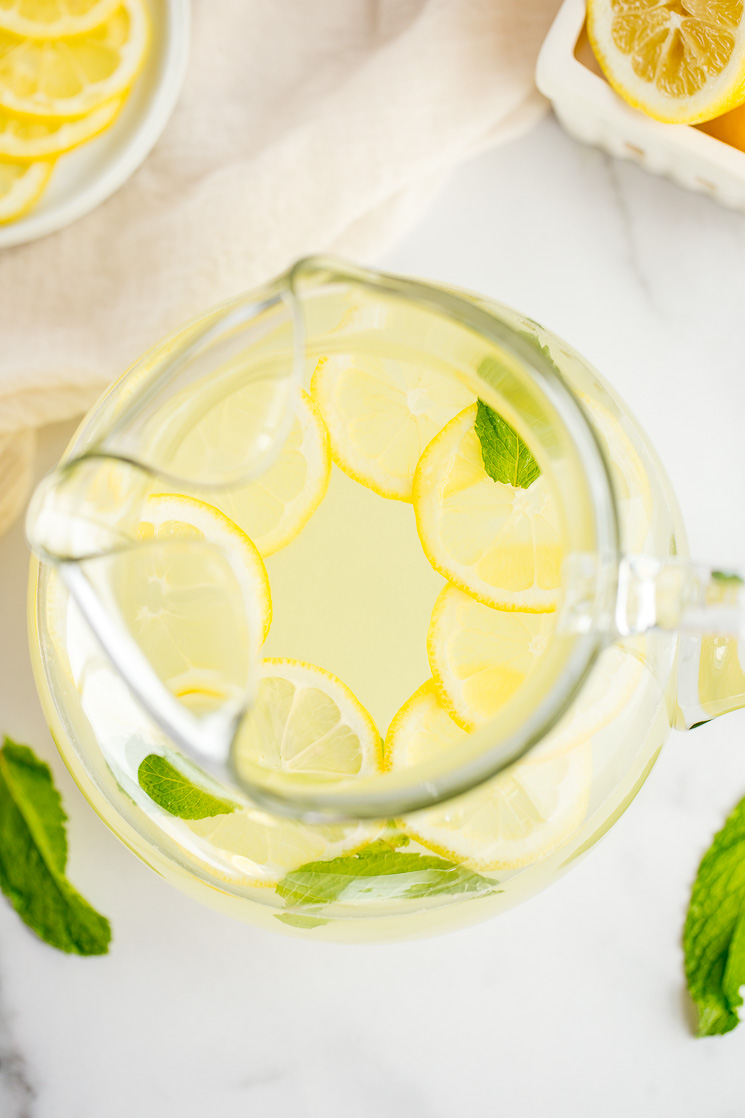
(25, 138)
(21, 185)
(630, 479)
(499, 543)
(66, 78)
(381, 414)
(304, 720)
(680, 61)
(188, 613)
(275, 508)
(480, 657)
(51, 19)
(513, 820)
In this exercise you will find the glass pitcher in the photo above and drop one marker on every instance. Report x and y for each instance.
(485, 621)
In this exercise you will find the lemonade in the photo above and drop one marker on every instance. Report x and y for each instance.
(403, 603)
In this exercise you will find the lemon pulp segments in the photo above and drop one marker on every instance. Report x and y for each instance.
(381, 413)
(304, 720)
(21, 185)
(51, 19)
(67, 78)
(680, 61)
(480, 657)
(499, 543)
(26, 138)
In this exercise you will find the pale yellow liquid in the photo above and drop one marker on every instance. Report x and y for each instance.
(353, 593)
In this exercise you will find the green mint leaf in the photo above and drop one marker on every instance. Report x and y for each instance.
(295, 920)
(175, 793)
(506, 457)
(377, 872)
(33, 855)
(727, 576)
(714, 934)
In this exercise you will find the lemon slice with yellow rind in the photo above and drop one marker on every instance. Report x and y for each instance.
(26, 138)
(21, 185)
(680, 61)
(513, 820)
(497, 542)
(198, 614)
(66, 78)
(52, 19)
(304, 720)
(381, 413)
(480, 657)
(277, 506)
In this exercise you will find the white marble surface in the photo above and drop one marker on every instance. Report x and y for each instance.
(571, 1006)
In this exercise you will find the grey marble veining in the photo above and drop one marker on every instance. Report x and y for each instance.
(568, 1007)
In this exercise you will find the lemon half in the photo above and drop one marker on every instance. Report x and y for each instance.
(679, 61)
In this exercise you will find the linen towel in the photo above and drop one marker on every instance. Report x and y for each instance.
(304, 126)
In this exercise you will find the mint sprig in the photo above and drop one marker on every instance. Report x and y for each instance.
(506, 457)
(33, 856)
(379, 872)
(170, 789)
(714, 934)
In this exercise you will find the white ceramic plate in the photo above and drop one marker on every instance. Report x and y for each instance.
(85, 177)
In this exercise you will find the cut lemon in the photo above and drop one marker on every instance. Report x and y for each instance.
(25, 138)
(304, 720)
(198, 625)
(514, 819)
(680, 61)
(499, 543)
(66, 78)
(275, 508)
(630, 479)
(480, 657)
(21, 185)
(50, 19)
(608, 690)
(381, 414)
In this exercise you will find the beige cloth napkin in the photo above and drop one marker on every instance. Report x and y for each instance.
(304, 126)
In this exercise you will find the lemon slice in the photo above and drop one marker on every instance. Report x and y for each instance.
(192, 622)
(680, 61)
(381, 414)
(50, 19)
(304, 720)
(480, 657)
(275, 508)
(499, 543)
(21, 185)
(630, 479)
(27, 138)
(511, 821)
(70, 77)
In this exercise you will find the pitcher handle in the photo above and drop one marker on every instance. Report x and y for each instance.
(705, 605)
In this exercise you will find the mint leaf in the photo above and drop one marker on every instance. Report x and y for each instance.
(175, 793)
(506, 457)
(377, 872)
(33, 855)
(714, 934)
(295, 920)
